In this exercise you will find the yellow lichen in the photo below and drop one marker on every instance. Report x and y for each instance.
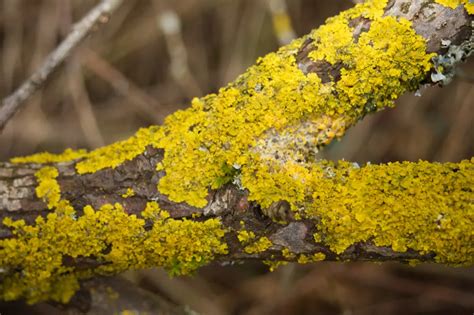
(182, 246)
(153, 211)
(110, 236)
(336, 50)
(317, 237)
(273, 182)
(288, 254)
(48, 188)
(300, 142)
(381, 65)
(245, 237)
(383, 204)
(117, 153)
(318, 257)
(45, 157)
(129, 193)
(391, 48)
(109, 156)
(469, 5)
(304, 259)
(390, 204)
(273, 265)
(261, 245)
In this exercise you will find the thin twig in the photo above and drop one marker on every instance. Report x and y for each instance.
(169, 22)
(98, 15)
(142, 101)
(82, 104)
(281, 21)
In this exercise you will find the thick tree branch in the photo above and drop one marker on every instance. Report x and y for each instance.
(250, 233)
(18, 183)
(237, 176)
(98, 15)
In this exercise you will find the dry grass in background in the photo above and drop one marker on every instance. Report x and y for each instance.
(139, 68)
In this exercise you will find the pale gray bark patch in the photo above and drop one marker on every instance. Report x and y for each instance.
(293, 237)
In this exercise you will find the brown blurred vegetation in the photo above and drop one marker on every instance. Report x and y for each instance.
(129, 75)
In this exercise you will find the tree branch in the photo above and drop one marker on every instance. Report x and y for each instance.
(98, 15)
(286, 229)
(237, 176)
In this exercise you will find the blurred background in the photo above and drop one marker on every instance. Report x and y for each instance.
(150, 60)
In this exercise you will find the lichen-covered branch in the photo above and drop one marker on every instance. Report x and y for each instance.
(237, 175)
(115, 220)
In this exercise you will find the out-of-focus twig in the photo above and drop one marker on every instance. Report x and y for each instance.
(77, 88)
(281, 21)
(170, 24)
(98, 15)
(12, 41)
(240, 49)
(83, 106)
(463, 126)
(145, 103)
